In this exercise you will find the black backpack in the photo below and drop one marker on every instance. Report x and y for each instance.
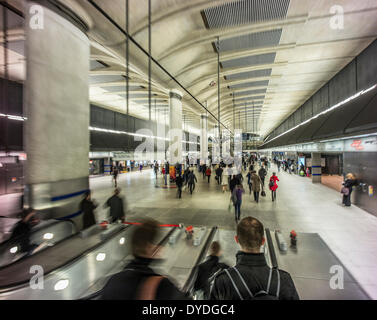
(244, 292)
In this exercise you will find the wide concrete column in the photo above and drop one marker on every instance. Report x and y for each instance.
(56, 104)
(203, 139)
(175, 132)
(316, 167)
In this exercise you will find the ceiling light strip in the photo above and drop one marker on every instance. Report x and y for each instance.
(356, 95)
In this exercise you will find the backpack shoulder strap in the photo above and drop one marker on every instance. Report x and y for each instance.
(233, 283)
(148, 289)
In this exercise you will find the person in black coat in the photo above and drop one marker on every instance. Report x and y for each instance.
(208, 268)
(349, 183)
(179, 183)
(252, 266)
(138, 281)
(21, 231)
(116, 204)
(87, 206)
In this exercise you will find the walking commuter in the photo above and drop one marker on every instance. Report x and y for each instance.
(348, 185)
(273, 185)
(117, 206)
(87, 206)
(249, 180)
(156, 169)
(219, 174)
(208, 269)
(256, 185)
(279, 165)
(262, 174)
(191, 179)
(22, 231)
(251, 278)
(179, 183)
(237, 201)
(208, 173)
(115, 176)
(138, 281)
(233, 183)
(204, 169)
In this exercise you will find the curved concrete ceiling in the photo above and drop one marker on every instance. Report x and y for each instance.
(284, 49)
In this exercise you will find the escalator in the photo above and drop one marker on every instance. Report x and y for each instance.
(44, 234)
(68, 268)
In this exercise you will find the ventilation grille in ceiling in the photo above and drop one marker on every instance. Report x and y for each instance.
(255, 40)
(120, 88)
(95, 64)
(249, 61)
(105, 78)
(249, 74)
(244, 12)
(263, 83)
(159, 101)
(250, 98)
(249, 92)
(250, 104)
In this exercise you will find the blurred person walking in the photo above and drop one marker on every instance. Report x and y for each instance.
(138, 281)
(273, 185)
(117, 206)
(87, 206)
(256, 185)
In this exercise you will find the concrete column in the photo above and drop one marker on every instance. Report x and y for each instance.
(316, 167)
(56, 103)
(107, 166)
(175, 132)
(203, 139)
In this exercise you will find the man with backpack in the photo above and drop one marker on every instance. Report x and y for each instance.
(207, 269)
(262, 174)
(251, 278)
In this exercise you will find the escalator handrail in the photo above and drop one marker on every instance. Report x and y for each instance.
(190, 280)
(20, 285)
(160, 244)
(271, 249)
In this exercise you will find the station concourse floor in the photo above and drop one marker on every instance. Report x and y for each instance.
(350, 232)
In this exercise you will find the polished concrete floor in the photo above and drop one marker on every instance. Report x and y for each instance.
(350, 232)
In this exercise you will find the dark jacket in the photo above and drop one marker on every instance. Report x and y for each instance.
(87, 207)
(262, 173)
(116, 207)
(205, 270)
(191, 178)
(21, 232)
(233, 183)
(219, 171)
(254, 269)
(179, 181)
(125, 284)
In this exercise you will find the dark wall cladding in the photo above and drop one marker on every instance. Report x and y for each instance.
(363, 165)
(367, 67)
(11, 131)
(359, 74)
(11, 102)
(343, 85)
(321, 100)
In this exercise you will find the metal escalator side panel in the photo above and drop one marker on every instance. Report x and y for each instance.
(188, 286)
(80, 271)
(271, 249)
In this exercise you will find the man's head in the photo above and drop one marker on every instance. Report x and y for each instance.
(250, 235)
(144, 238)
(215, 249)
(117, 191)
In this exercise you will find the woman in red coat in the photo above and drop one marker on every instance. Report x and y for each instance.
(208, 173)
(273, 185)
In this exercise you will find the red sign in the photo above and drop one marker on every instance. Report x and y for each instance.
(357, 145)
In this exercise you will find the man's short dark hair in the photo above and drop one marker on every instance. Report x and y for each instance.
(250, 232)
(215, 248)
(144, 234)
